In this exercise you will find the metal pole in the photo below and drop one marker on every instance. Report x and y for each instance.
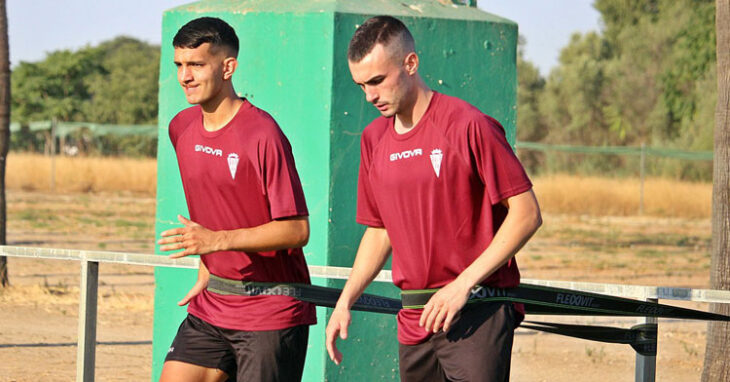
(53, 154)
(646, 365)
(641, 176)
(86, 352)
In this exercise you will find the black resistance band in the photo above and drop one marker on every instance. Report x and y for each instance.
(537, 300)
(550, 300)
(317, 295)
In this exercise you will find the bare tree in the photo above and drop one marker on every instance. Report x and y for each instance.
(4, 130)
(717, 365)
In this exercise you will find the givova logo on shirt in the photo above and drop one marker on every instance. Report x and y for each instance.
(405, 154)
(209, 150)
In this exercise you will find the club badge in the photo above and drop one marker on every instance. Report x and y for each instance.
(233, 164)
(436, 157)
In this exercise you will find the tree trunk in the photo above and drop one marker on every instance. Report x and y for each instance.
(4, 130)
(717, 364)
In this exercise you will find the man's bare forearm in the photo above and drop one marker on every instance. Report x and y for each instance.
(272, 236)
(522, 221)
(371, 256)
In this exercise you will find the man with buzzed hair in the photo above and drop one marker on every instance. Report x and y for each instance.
(248, 221)
(441, 188)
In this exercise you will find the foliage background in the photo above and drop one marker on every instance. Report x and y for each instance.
(114, 82)
(647, 77)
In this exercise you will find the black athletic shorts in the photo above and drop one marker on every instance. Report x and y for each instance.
(478, 347)
(269, 355)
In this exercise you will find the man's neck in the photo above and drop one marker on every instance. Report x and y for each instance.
(405, 121)
(218, 112)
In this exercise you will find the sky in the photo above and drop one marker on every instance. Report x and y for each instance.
(37, 27)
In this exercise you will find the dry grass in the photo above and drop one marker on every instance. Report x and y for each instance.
(620, 197)
(52, 296)
(32, 172)
(566, 194)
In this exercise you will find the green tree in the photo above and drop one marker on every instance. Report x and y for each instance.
(647, 78)
(688, 82)
(530, 123)
(530, 87)
(115, 82)
(125, 90)
(53, 88)
(660, 69)
(574, 98)
(618, 15)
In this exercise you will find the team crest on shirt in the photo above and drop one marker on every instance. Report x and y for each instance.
(436, 157)
(233, 164)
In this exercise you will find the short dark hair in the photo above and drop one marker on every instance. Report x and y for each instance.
(377, 30)
(207, 29)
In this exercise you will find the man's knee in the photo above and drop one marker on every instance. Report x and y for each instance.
(178, 371)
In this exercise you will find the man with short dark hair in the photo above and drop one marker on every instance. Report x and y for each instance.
(441, 188)
(248, 221)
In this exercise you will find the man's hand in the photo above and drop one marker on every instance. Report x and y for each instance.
(338, 324)
(193, 239)
(198, 287)
(443, 306)
(200, 284)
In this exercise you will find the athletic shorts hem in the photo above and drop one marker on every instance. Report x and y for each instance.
(196, 362)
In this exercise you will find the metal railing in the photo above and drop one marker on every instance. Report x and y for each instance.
(86, 352)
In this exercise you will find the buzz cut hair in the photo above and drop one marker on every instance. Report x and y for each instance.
(207, 30)
(385, 30)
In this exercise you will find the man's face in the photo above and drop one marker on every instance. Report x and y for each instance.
(384, 80)
(200, 72)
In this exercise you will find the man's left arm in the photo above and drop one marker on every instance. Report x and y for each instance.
(194, 239)
(522, 220)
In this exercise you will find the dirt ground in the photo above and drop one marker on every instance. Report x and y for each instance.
(38, 312)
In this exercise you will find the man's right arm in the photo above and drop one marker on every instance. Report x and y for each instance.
(371, 256)
(200, 284)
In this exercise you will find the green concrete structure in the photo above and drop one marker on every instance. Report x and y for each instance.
(292, 63)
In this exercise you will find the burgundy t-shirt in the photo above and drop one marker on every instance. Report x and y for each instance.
(243, 176)
(437, 190)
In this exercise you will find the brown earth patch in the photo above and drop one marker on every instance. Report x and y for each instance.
(38, 312)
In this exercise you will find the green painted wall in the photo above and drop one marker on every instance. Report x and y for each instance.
(292, 63)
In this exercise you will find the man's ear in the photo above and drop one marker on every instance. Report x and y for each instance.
(229, 67)
(411, 63)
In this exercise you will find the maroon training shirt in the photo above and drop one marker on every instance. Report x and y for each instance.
(243, 176)
(437, 190)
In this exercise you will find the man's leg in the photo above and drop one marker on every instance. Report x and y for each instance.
(198, 353)
(478, 347)
(418, 363)
(270, 355)
(174, 371)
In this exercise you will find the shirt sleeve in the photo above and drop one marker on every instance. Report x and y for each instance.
(280, 178)
(172, 131)
(367, 209)
(499, 169)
